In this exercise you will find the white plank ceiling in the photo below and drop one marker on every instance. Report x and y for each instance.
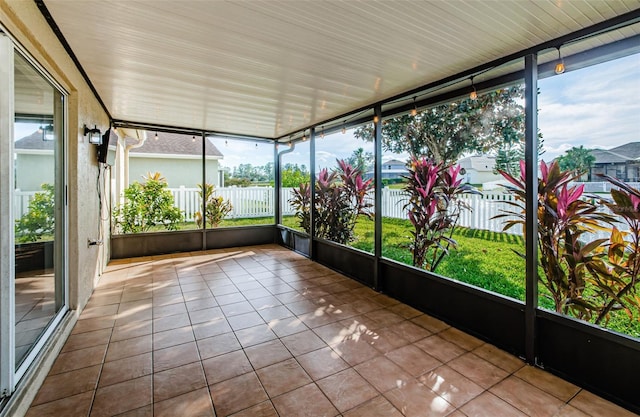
(270, 68)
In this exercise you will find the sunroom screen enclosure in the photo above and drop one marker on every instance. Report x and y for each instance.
(362, 170)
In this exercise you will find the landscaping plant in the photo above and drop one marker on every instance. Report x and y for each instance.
(573, 266)
(146, 205)
(216, 208)
(434, 209)
(40, 219)
(340, 200)
(618, 287)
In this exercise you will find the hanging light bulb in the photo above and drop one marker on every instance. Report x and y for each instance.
(322, 133)
(560, 64)
(344, 127)
(256, 145)
(376, 119)
(226, 143)
(193, 138)
(304, 135)
(290, 144)
(414, 111)
(156, 136)
(474, 93)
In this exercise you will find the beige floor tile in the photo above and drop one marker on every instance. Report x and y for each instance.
(415, 400)
(173, 337)
(77, 359)
(129, 347)
(487, 404)
(255, 335)
(410, 331)
(121, 370)
(383, 374)
(478, 370)
(131, 330)
(527, 398)
(218, 345)
(346, 389)
(264, 409)
(67, 384)
(596, 406)
(88, 339)
(124, 396)
(321, 363)
(355, 351)
(413, 360)
(193, 404)
(547, 382)
(226, 366)
(178, 381)
(378, 407)
(175, 356)
(499, 357)
(303, 342)
(439, 348)
(267, 353)
(307, 401)
(451, 385)
(236, 394)
(282, 377)
(73, 406)
(460, 338)
(430, 323)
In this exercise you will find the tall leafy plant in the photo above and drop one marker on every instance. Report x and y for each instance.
(216, 207)
(618, 288)
(569, 260)
(434, 209)
(340, 201)
(146, 205)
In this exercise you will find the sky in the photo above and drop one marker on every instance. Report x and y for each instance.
(598, 107)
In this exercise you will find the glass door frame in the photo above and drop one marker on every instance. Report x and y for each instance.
(9, 375)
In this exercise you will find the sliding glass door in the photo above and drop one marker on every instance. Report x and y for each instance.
(33, 285)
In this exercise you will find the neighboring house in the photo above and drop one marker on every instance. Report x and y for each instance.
(177, 157)
(479, 169)
(34, 162)
(391, 169)
(622, 162)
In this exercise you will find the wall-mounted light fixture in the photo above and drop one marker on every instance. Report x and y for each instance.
(47, 132)
(94, 135)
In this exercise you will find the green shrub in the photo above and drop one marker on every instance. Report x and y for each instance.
(146, 205)
(216, 207)
(40, 219)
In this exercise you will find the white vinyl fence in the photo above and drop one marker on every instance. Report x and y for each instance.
(259, 202)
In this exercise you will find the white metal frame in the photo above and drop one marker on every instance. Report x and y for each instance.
(9, 376)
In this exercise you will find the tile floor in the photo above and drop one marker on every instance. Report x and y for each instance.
(262, 331)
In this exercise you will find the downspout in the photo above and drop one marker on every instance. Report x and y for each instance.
(127, 148)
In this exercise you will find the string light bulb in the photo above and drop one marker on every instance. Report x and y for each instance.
(375, 119)
(322, 133)
(559, 69)
(474, 93)
(344, 128)
(226, 143)
(156, 136)
(193, 138)
(414, 111)
(304, 135)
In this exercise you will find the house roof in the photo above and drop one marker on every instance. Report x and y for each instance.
(172, 144)
(630, 150)
(34, 142)
(618, 155)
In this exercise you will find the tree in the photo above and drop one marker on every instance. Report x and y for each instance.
(294, 175)
(577, 160)
(360, 160)
(446, 131)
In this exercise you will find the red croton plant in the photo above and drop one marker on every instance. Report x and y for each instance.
(588, 278)
(434, 209)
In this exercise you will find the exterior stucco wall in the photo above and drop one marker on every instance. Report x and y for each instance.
(25, 24)
(186, 172)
